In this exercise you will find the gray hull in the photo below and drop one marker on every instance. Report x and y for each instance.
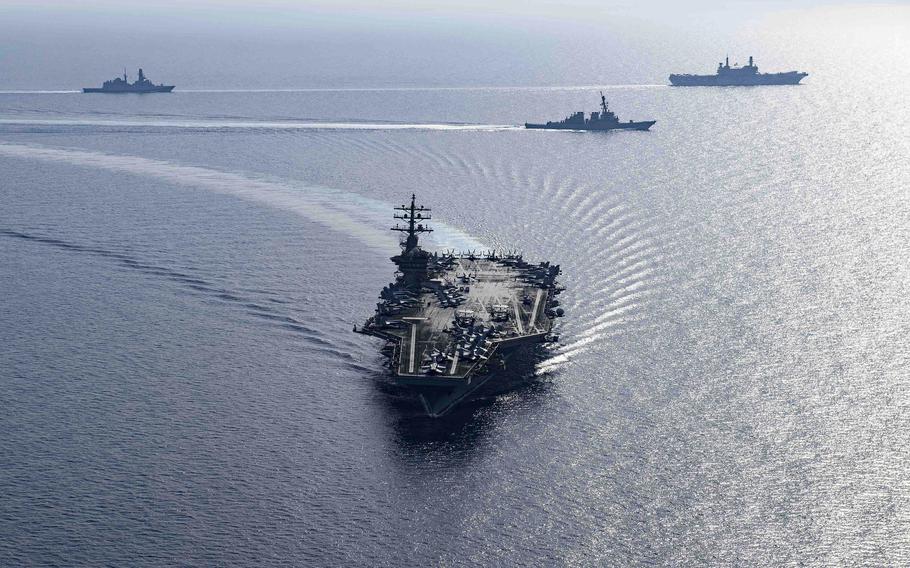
(155, 89)
(518, 365)
(790, 78)
(642, 125)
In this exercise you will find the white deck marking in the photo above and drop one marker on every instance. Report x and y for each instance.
(521, 329)
(413, 347)
(454, 363)
(534, 311)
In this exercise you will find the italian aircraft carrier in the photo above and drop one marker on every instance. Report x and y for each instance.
(736, 76)
(452, 321)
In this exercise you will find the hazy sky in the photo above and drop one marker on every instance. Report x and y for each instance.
(54, 44)
(295, 12)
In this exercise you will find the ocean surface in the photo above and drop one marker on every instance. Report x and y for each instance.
(180, 274)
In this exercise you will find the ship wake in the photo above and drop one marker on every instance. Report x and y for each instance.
(270, 125)
(355, 215)
(268, 310)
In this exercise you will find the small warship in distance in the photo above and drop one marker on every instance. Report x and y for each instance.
(452, 321)
(603, 120)
(736, 76)
(118, 85)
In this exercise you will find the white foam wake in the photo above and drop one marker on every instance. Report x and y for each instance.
(361, 217)
(249, 124)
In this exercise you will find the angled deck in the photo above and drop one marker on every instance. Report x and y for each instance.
(429, 325)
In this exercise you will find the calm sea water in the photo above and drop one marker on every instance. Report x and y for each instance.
(180, 275)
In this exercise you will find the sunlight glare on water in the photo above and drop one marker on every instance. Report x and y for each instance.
(181, 274)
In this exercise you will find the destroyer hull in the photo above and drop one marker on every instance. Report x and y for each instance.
(792, 78)
(157, 89)
(642, 125)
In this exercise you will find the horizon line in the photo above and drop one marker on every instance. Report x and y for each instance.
(361, 89)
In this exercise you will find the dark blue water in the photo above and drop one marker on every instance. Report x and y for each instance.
(180, 274)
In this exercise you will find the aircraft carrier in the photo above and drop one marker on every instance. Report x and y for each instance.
(736, 76)
(452, 321)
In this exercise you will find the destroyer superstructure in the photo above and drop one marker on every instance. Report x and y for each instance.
(452, 320)
(118, 85)
(605, 119)
(737, 76)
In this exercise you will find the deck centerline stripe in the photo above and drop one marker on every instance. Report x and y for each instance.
(534, 311)
(413, 347)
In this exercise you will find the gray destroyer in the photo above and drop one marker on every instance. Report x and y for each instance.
(118, 85)
(736, 76)
(451, 321)
(603, 120)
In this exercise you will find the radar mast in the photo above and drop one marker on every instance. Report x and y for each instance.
(414, 216)
(413, 260)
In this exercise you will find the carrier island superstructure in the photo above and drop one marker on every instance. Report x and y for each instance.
(452, 321)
